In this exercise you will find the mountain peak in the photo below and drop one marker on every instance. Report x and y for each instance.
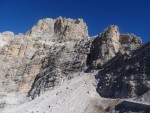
(59, 29)
(55, 62)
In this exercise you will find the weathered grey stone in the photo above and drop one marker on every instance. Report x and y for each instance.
(59, 29)
(47, 53)
(108, 44)
(56, 50)
(126, 76)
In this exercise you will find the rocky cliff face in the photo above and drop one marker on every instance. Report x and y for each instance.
(126, 76)
(62, 60)
(57, 50)
(59, 30)
(92, 53)
(108, 44)
(5, 37)
(44, 56)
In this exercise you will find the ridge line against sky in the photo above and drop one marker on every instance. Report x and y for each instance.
(132, 16)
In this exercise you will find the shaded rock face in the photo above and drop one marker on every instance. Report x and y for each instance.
(132, 107)
(126, 76)
(129, 42)
(108, 44)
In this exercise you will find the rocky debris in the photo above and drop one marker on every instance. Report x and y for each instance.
(126, 76)
(72, 100)
(108, 44)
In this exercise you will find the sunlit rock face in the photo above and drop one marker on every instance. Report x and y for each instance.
(5, 37)
(77, 54)
(58, 51)
(109, 43)
(59, 29)
(50, 50)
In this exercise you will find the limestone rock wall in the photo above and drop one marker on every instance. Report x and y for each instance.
(59, 29)
(46, 53)
(110, 43)
(51, 52)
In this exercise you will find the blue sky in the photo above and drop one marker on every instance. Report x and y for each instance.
(132, 16)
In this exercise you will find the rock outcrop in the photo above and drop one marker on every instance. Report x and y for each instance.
(44, 56)
(92, 53)
(59, 30)
(126, 76)
(57, 50)
(5, 37)
(63, 59)
(132, 107)
(108, 44)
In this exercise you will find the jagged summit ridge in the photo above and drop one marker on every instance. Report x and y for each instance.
(65, 29)
(48, 29)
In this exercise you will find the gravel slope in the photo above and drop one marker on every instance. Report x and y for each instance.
(77, 95)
